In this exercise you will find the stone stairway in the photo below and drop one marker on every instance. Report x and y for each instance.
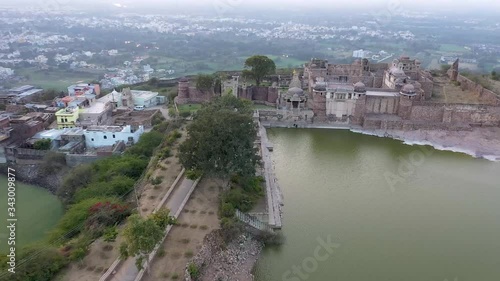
(253, 222)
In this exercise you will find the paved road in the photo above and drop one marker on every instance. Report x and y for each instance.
(127, 271)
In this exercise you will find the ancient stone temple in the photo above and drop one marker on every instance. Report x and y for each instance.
(295, 98)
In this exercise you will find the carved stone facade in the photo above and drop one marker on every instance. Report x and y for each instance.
(381, 95)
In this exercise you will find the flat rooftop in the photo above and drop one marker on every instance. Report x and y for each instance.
(115, 129)
(22, 88)
(144, 94)
(111, 97)
(49, 134)
(73, 132)
(29, 93)
(95, 108)
(382, 94)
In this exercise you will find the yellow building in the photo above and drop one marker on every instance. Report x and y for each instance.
(67, 117)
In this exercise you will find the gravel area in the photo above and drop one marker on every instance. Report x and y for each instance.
(233, 261)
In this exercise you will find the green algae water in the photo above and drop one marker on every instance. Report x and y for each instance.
(386, 211)
(37, 212)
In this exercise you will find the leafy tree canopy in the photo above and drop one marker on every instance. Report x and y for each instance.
(142, 235)
(43, 144)
(260, 66)
(205, 82)
(221, 139)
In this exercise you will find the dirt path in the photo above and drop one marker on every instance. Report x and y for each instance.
(198, 218)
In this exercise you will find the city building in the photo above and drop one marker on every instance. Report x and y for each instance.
(28, 96)
(143, 98)
(97, 113)
(361, 54)
(83, 88)
(21, 89)
(100, 136)
(67, 117)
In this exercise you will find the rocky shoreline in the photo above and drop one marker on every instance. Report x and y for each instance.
(29, 174)
(227, 262)
(478, 142)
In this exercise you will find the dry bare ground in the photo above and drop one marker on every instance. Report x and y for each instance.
(447, 92)
(198, 218)
(101, 254)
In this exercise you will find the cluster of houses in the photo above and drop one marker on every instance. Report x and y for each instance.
(82, 124)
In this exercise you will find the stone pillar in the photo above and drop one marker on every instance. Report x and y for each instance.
(404, 109)
(453, 72)
(183, 91)
(447, 114)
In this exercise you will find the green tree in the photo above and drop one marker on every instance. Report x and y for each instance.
(260, 66)
(43, 264)
(141, 235)
(52, 162)
(221, 139)
(43, 144)
(494, 75)
(205, 82)
(445, 68)
(153, 81)
(79, 177)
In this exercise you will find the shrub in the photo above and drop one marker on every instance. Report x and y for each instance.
(128, 165)
(239, 199)
(161, 253)
(79, 177)
(176, 134)
(74, 219)
(103, 215)
(146, 144)
(231, 228)
(162, 218)
(185, 114)
(157, 180)
(227, 210)
(78, 254)
(162, 127)
(116, 186)
(52, 163)
(43, 144)
(44, 263)
(194, 271)
(253, 185)
(165, 153)
(193, 175)
(157, 119)
(110, 234)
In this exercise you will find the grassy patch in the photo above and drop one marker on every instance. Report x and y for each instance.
(452, 48)
(55, 79)
(188, 107)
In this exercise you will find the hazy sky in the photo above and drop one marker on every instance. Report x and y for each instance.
(459, 5)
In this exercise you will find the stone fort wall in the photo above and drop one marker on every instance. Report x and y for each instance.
(259, 94)
(486, 96)
(456, 114)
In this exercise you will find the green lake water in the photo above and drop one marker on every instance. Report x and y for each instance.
(394, 212)
(37, 212)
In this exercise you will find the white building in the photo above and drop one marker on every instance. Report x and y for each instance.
(100, 136)
(6, 72)
(360, 54)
